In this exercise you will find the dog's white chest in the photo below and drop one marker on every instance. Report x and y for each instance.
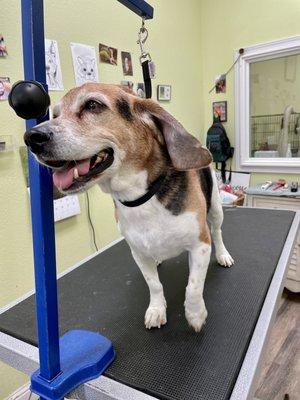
(155, 232)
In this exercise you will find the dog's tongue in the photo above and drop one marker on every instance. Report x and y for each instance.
(64, 179)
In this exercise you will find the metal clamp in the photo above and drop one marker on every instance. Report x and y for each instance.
(142, 37)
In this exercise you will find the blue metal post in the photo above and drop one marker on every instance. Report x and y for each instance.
(41, 198)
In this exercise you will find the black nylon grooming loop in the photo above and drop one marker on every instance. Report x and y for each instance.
(147, 79)
(145, 60)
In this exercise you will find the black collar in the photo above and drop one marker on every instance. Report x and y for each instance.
(153, 188)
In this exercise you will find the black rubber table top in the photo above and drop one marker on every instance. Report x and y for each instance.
(108, 294)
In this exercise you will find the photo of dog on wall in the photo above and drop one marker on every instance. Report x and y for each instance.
(84, 63)
(5, 87)
(140, 90)
(3, 49)
(220, 111)
(53, 68)
(108, 55)
(126, 63)
(220, 83)
(164, 92)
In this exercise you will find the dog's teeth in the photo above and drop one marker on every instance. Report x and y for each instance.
(99, 159)
(105, 156)
(76, 174)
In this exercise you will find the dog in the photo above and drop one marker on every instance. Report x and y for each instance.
(159, 176)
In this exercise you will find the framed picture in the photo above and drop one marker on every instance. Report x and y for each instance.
(126, 63)
(220, 83)
(5, 87)
(220, 111)
(108, 55)
(140, 90)
(163, 92)
(3, 49)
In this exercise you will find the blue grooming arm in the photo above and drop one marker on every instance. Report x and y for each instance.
(64, 364)
(140, 7)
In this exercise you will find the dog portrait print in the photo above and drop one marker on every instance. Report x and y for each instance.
(84, 63)
(126, 63)
(53, 68)
(5, 87)
(86, 68)
(3, 49)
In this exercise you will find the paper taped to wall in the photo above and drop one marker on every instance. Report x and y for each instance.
(84, 63)
(53, 68)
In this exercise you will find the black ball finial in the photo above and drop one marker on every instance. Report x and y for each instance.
(29, 99)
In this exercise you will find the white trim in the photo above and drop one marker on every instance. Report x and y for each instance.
(65, 272)
(260, 52)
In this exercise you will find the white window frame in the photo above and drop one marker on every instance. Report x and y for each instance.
(261, 52)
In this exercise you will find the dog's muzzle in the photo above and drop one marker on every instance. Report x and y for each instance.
(37, 139)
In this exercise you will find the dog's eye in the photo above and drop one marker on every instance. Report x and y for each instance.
(93, 106)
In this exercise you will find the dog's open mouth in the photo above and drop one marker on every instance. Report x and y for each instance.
(72, 175)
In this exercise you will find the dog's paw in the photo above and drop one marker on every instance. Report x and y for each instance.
(196, 319)
(225, 259)
(155, 317)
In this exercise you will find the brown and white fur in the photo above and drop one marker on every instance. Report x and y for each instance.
(146, 142)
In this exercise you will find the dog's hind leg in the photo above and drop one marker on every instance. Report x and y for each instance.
(215, 217)
(156, 313)
(195, 310)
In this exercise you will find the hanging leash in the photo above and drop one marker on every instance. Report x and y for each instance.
(147, 64)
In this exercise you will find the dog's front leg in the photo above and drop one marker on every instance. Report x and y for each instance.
(195, 310)
(156, 313)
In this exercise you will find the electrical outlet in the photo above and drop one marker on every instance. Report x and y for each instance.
(66, 207)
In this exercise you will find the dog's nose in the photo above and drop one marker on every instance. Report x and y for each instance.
(37, 139)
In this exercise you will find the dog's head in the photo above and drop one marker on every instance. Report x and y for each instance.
(100, 130)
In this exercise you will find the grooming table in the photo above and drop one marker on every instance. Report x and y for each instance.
(106, 293)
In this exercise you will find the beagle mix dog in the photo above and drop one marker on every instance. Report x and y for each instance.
(158, 175)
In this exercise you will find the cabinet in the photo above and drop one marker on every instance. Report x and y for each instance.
(288, 203)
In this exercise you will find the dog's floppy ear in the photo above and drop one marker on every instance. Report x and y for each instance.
(185, 151)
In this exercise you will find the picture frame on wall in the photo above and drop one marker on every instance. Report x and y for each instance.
(219, 111)
(164, 92)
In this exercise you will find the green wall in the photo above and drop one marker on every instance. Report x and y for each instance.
(173, 41)
(228, 26)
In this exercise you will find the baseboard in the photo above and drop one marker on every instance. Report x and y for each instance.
(22, 393)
